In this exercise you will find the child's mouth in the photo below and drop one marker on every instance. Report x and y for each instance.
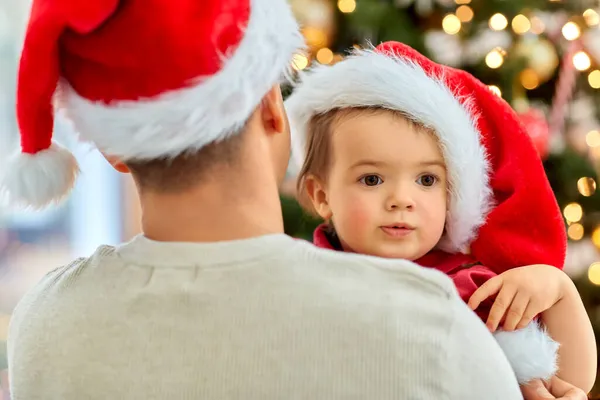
(397, 231)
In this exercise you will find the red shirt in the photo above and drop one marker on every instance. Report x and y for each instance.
(466, 272)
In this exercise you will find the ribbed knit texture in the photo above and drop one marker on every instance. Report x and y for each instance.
(258, 319)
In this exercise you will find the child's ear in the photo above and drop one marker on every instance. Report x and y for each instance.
(317, 193)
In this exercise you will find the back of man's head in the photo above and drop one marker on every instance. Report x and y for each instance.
(169, 87)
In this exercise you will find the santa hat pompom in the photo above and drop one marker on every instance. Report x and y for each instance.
(531, 352)
(37, 180)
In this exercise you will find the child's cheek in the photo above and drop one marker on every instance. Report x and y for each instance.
(359, 214)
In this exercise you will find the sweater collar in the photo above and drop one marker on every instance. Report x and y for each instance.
(141, 250)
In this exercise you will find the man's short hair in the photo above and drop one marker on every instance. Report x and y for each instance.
(170, 175)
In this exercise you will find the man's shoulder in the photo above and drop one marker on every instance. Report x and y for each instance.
(103, 254)
(57, 279)
(402, 273)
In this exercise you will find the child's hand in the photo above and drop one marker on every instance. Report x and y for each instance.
(554, 389)
(522, 292)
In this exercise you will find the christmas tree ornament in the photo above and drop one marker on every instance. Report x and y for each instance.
(536, 125)
(445, 49)
(565, 88)
(540, 56)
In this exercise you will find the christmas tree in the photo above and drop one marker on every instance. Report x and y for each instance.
(541, 56)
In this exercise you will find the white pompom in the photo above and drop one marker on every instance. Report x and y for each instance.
(37, 180)
(531, 352)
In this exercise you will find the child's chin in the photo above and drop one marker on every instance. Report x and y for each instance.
(404, 254)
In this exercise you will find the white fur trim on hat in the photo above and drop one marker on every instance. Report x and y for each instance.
(34, 180)
(191, 118)
(532, 353)
(369, 78)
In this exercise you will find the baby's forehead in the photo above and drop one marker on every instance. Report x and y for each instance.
(353, 119)
(384, 137)
(344, 115)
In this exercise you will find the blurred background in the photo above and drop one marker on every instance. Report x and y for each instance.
(542, 56)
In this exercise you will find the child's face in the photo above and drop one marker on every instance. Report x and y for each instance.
(386, 191)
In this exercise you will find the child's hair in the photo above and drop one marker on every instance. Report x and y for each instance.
(318, 157)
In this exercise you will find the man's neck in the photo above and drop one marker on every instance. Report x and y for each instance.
(218, 211)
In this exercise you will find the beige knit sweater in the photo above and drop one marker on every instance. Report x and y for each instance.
(265, 318)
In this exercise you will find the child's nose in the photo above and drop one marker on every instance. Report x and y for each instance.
(400, 200)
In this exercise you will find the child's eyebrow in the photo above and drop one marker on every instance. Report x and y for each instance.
(373, 163)
(430, 163)
(369, 163)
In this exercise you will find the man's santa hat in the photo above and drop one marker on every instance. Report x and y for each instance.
(141, 79)
(502, 208)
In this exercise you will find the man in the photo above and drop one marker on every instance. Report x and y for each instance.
(212, 301)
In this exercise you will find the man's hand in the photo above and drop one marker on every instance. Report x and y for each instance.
(555, 389)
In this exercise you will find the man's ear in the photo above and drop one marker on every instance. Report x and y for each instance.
(117, 164)
(273, 113)
(316, 191)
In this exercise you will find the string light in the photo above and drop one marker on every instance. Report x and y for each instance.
(529, 79)
(315, 37)
(337, 58)
(594, 273)
(571, 31)
(451, 24)
(496, 90)
(300, 62)
(521, 24)
(591, 17)
(465, 13)
(581, 61)
(325, 56)
(498, 22)
(596, 237)
(575, 231)
(537, 26)
(347, 6)
(573, 212)
(586, 186)
(495, 58)
(593, 138)
(594, 79)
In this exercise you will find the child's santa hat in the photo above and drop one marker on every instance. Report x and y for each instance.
(501, 204)
(501, 207)
(141, 80)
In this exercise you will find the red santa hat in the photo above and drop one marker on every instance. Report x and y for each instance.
(502, 208)
(141, 80)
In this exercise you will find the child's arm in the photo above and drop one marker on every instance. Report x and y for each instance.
(530, 351)
(568, 324)
(523, 293)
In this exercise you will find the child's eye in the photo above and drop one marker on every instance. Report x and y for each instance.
(371, 180)
(427, 180)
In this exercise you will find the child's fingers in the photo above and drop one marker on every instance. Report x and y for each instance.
(489, 288)
(515, 311)
(565, 391)
(530, 312)
(536, 389)
(501, 304)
